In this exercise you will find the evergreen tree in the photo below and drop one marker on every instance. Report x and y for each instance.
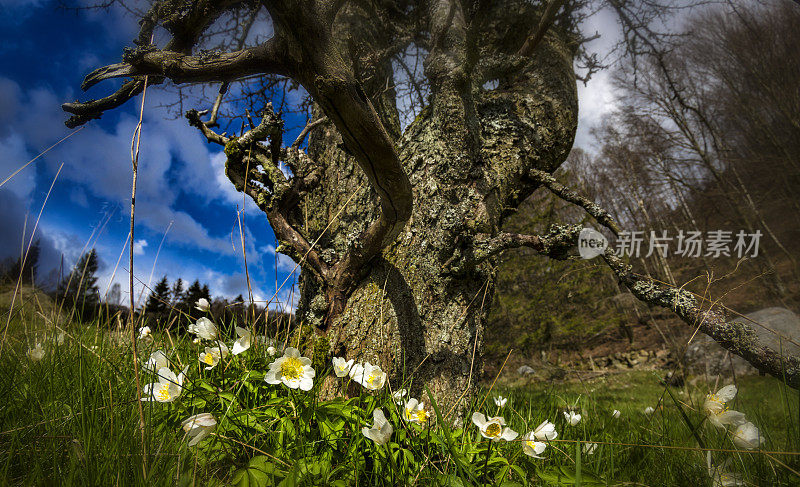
(29, 269)
(79, 288)
(177, 292)
(194, 293)
(205, 293)
(159, 300)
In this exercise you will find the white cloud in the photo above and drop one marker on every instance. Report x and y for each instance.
(138, 247)
(99, 160)
(597, 99)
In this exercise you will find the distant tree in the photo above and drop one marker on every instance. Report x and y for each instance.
(25, 267)
(79, 288)
(177, 292)
(193, 293)
(206, 293)
(115, 295)
(159, 300)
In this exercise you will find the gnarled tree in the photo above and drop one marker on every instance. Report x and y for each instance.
(396, 230)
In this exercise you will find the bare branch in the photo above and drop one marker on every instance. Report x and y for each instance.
(308, 128)
(181, 68)
(83, 112)
(738, 338)
(246, 152)
(536, 35)
(556, 244)
(601, 215)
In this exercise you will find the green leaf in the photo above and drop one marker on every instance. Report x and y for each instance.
(563, 475)
(258, 473)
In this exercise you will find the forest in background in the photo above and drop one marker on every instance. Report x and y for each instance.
(707, 138)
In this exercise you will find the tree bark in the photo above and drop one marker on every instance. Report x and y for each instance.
(421, 309)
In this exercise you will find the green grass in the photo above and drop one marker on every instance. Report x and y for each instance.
(72, 419)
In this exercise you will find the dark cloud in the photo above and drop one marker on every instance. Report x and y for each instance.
(14, 220)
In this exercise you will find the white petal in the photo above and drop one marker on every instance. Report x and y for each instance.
(271, 377)
(479, 420)
(306, 384)
(727, 393)
(509, 434)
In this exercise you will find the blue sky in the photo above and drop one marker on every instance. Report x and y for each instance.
(46, 51)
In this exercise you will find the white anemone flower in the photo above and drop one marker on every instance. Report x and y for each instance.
(747, 436)
(615, 414)
(36, 353)
(500, 401)
(572, 417)
(242, 344)
(341, 367)
(381, 429)
(167, 389)
(531, 446)
(213, 355)
(721, 475)
(204, 328)
(156, 361)
(648, 410)
(198, 427)
(144, 332)
(202, 304)
(589, 448)
(414, 411)
(545, 431)
(398, 396)
(368, 375)
(718, 413)
(291, 370)
(493, 428)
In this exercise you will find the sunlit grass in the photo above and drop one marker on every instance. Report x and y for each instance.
(71, 419)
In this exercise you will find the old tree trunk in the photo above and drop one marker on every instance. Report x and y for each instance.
(421, 306)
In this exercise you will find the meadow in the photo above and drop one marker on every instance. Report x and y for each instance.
(70, 416)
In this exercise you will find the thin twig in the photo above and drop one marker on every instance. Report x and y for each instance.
(137, 138)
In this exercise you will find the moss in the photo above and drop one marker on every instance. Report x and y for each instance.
(233, 151)
(322, 348)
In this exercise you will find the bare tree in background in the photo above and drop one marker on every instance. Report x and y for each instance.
(397, 231)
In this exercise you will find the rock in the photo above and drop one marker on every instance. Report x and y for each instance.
(705, 355)
(780, 320)
(525, 370)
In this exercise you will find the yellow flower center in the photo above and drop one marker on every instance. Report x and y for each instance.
(209, 359)
(163, 392)
(422, 415)
(493, 430)
(531, 444)
(292, 368)
(373, 377)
